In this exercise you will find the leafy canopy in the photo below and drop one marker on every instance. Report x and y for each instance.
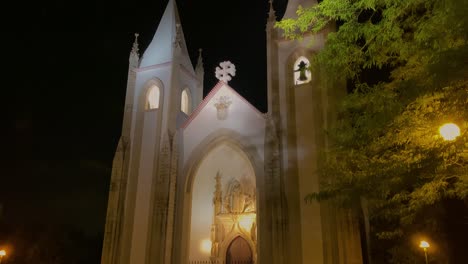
(386, 143)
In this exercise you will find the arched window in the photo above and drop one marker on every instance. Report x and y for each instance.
(152, 98)
(185, 101)
(301, 71)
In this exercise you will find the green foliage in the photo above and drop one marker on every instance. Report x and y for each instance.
(386, 143)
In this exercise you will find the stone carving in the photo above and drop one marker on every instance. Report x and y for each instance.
(249, 205)
(238, 200)
(234, 214)
(135, 48)
(222, 106)
(218, 195)
(178, 36)
(234, 200)
(226, 71)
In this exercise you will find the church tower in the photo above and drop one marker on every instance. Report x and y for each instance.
(162, 91)
(302, 105)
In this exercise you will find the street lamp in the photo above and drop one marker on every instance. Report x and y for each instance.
(424, 245)
(2, 254)
(449, 131)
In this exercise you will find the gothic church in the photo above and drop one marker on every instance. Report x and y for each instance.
(214, 180)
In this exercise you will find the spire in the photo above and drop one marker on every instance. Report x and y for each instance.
(168, 37)
(200, 72)
(134, 54)
(199, 66)
(271, 12)
(294, 4)
(135, 48)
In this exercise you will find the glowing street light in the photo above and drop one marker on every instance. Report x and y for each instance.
(449, 131)
(2, 254)
(424, 245)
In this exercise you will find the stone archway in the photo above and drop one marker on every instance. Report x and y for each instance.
(223, 203)
(253, 154)
(239, 252)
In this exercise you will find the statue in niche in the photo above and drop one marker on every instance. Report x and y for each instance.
(302, 68)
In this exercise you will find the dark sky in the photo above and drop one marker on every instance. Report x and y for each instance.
(68, 70)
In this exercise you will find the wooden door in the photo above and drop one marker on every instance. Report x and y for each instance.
(239, 252)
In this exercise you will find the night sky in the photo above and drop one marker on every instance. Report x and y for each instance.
(69, 71)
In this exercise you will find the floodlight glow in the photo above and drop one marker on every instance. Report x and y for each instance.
(449, 131)
(246, 221)
(205, 246)
(2, 253)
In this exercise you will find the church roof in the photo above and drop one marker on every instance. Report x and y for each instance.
(168, 35)
(212, 94)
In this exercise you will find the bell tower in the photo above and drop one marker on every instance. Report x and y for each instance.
(302, 105)
(162, 90)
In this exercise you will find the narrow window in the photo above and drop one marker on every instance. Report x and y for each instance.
(301, 70)
(185, 101)
(152, 98)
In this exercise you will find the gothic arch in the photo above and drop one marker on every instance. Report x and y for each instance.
(292, 60)
(190, 169)
(227, 243)
(147, 89)
(186, 101)
(301, 70)
(222, 136)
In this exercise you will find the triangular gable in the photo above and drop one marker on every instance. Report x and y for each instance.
(161, 48)
(211, 95)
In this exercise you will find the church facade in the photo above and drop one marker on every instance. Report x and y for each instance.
(214, 180)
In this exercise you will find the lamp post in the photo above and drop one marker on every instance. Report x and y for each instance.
(424, 245)
(2, 254)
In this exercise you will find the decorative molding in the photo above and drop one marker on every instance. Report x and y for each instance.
(235, 216)
(178, 36)
(222, 106)
(171, 199)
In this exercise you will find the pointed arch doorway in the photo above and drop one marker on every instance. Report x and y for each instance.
(239, 252)
(223, 201)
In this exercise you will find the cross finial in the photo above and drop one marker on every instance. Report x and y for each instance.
(226, 71)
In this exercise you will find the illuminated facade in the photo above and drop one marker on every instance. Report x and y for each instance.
(213, 179)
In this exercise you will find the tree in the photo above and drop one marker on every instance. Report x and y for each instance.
(386, 144)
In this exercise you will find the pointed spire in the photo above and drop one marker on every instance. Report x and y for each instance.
(200, 61)
(135, 44)
(168, 41)
(134, 54)
(271, 12)
(293, 5)
(200, 72)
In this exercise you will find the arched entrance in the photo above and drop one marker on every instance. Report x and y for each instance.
(223, 203)
(239, 252)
